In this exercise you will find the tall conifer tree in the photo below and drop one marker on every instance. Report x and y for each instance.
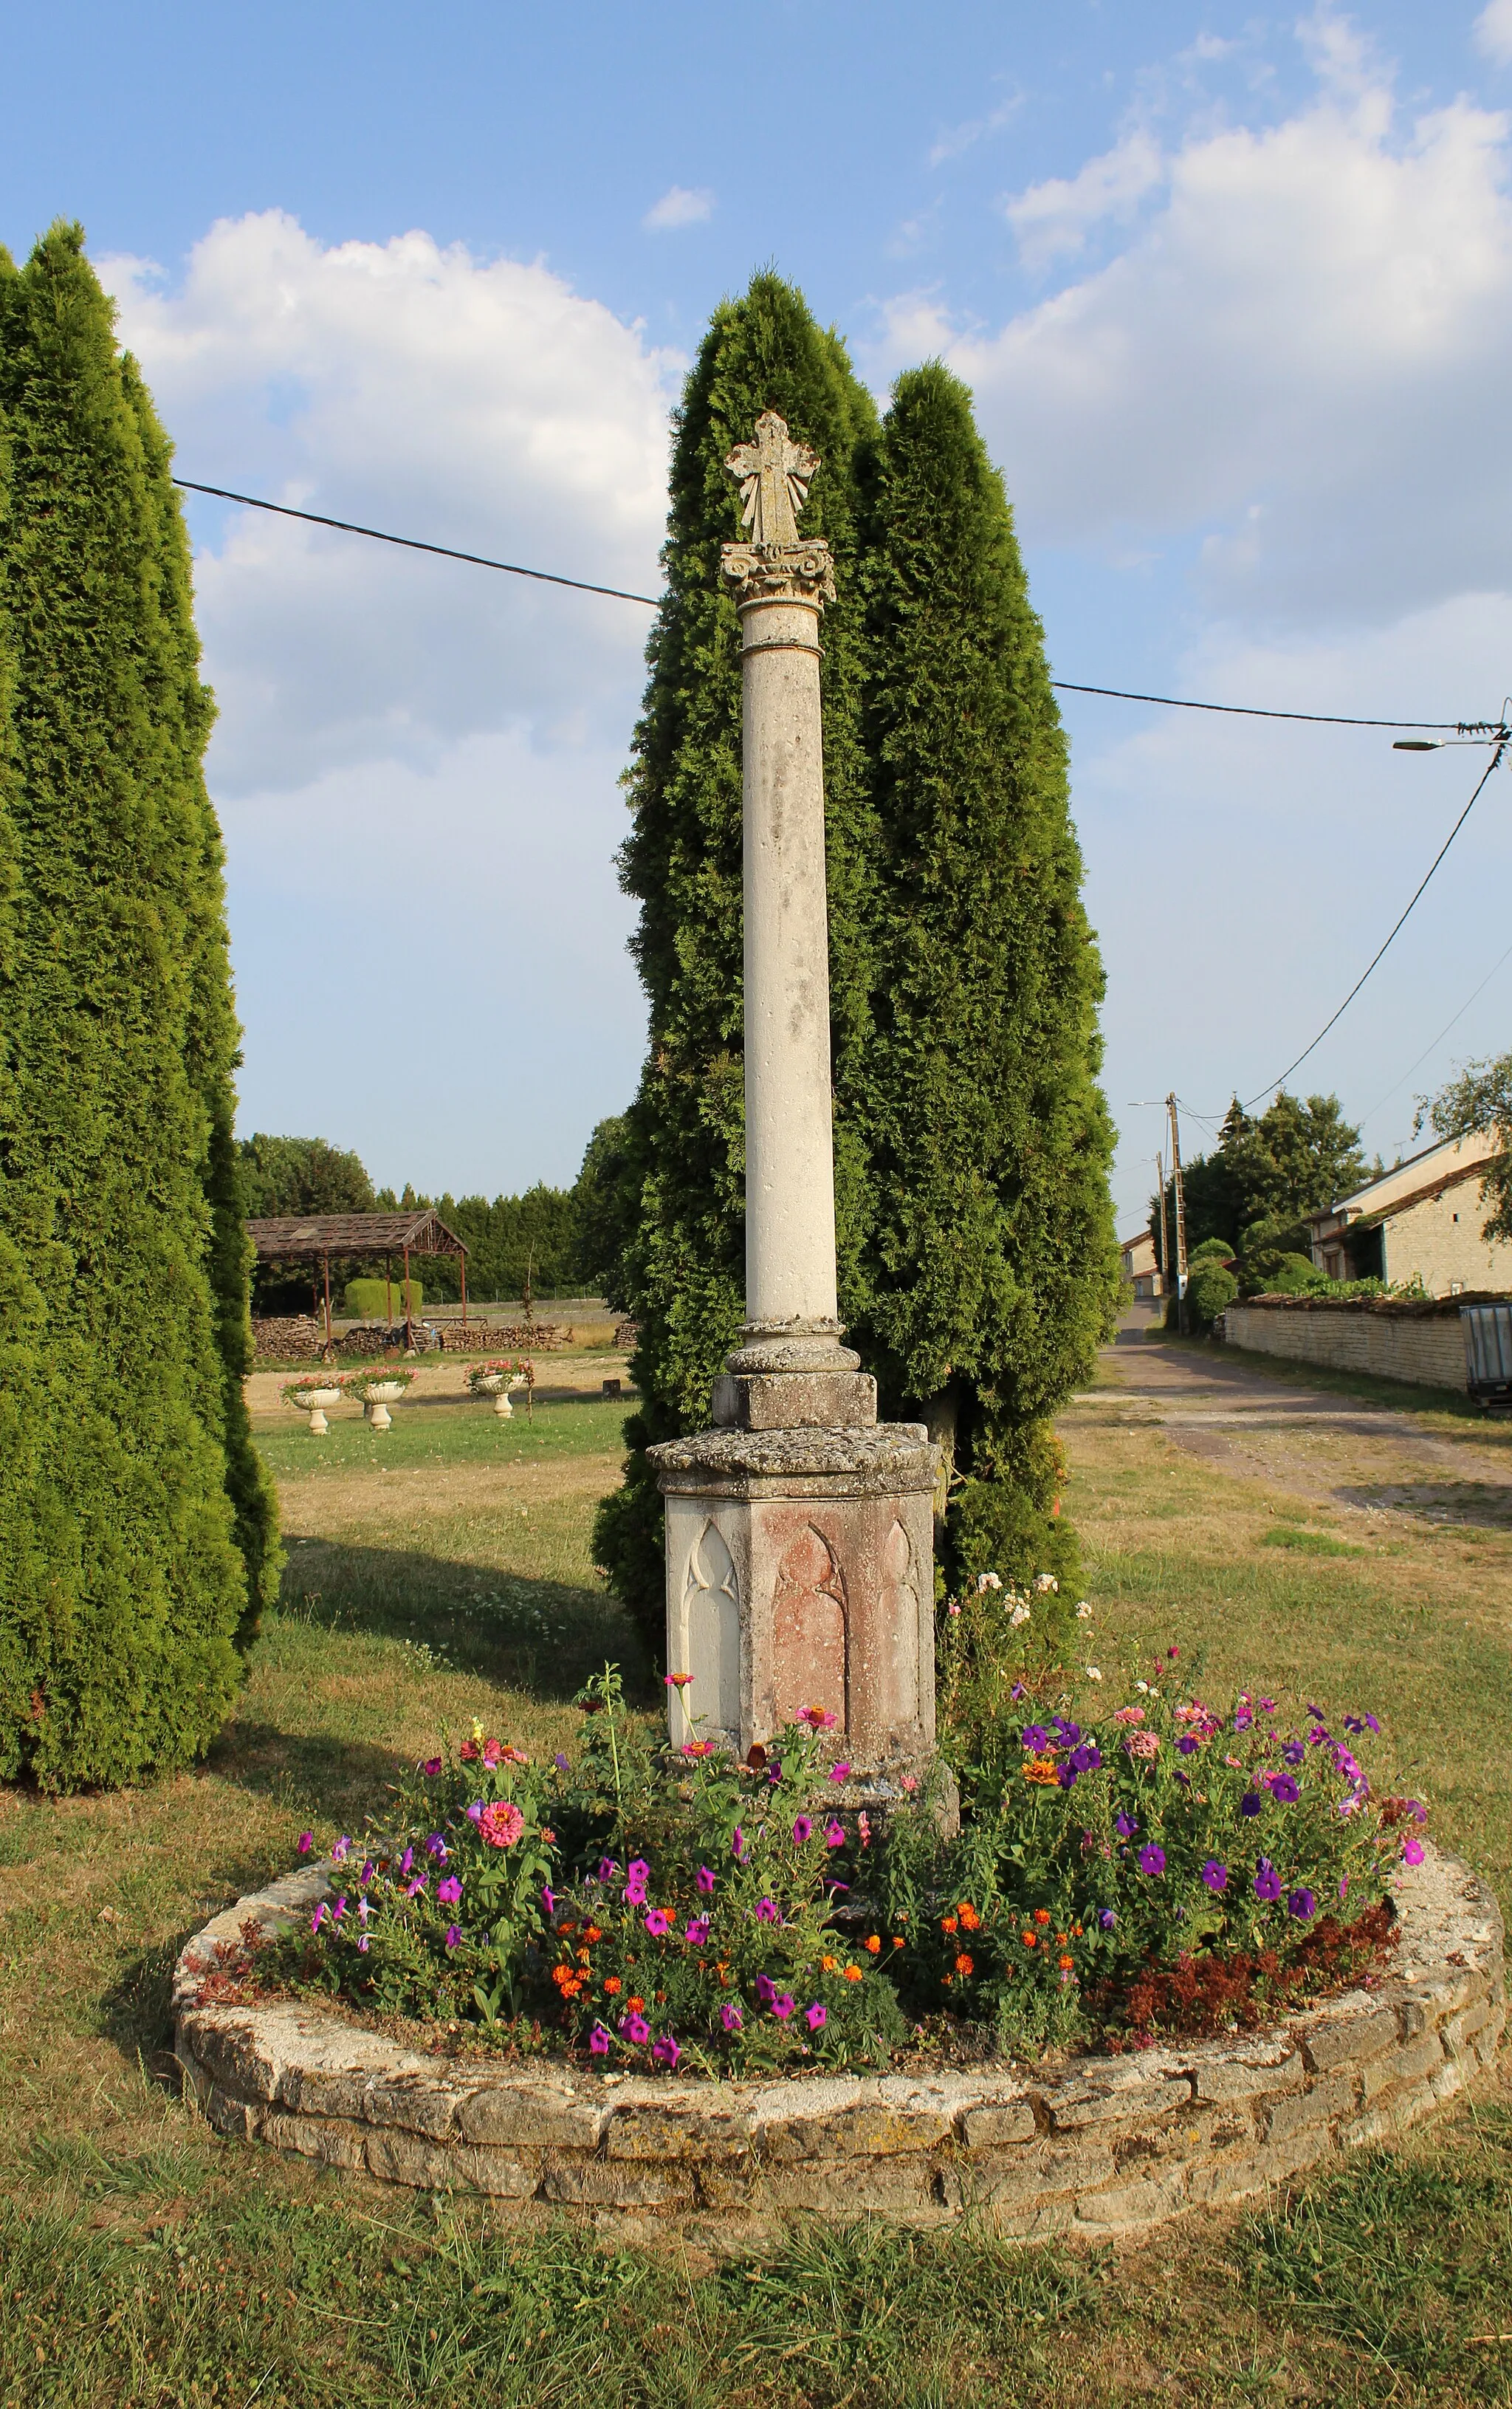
(990, 1269)
(683, 1265)
(136, 1530)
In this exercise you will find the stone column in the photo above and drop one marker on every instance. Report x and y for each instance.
(800, 1557)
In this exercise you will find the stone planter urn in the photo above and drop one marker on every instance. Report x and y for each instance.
(496, 1386)
(313, 1402)
(377, 1398)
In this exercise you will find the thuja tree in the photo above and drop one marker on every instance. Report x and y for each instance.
(989, 1272)
(681, 1270)
(135, 1531)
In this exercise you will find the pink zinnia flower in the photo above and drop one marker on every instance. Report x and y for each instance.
(501, 1823)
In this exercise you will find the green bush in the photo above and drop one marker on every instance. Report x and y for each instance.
(136, 1530)
(1209, 1290)
(368, 1300)
(1212, 1250)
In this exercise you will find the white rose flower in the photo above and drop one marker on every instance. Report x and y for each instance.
(985, 1581)
(1045, 1581)
(1020, 1614)
(1084, 1612)
(1093, 1673)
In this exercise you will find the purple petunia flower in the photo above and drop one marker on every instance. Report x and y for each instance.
(1293, 1751)
(730, 2016)
(766, 1989)
(698, 1930)
(783, 2005)
(1067, 1734)
(834, 1834)
(453, 1934)
(839, 1772)
(1034, 1736)
(802, 1829)
(319, 1917)
(369, 1871)
(1285, 1790)
(1188, 1745)
(1302, 1905)
(406, 1861)
(1216, 1875)
(666, 2052)
(1152, 1858)
(1251, 1803)
(634, 2027)
(1267, 1881)
(704, 1881)
(658, 1923)
(600, 2041)
(413, 1888)
(306, 1842)
(607, 1870)
(1243, 1720)
(1088, 1757)
(816, 2016)
(767, 1911)
(431, 1766)
(475, 1812)
(1267, 1705)
(560, 1762)
(364, 1943)
(341, 1849)
(1107, 1919)
(1125, 1826)
(738, 1843)
(1066, 1775)
(436, 1847)
(449, 1892)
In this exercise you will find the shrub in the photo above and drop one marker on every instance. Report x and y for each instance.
(1215, 1250)
(368, 1300)
(1211, 1286)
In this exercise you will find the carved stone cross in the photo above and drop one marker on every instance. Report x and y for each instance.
(773, 474)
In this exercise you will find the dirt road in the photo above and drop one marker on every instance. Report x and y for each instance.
(1356, 1456)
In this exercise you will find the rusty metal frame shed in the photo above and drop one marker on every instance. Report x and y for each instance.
(419, 1231)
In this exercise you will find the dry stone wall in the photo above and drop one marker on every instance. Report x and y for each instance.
(1106, 2146)
(1395, 1339)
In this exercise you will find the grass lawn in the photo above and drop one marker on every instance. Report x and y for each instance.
(443, 1570)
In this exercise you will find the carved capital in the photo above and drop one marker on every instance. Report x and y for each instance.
(778, 572)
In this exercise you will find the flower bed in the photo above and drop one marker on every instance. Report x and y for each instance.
(1108, 2146)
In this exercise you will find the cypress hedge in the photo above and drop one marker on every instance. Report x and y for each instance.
(682, 1268)
(137, 1531)
(991, 1269)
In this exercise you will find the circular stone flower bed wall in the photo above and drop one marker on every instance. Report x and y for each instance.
(1104, 2146)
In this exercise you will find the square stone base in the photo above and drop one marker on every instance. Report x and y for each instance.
(801, 1573)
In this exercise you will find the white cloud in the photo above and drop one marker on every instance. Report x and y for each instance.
(1298, 361)
(957, 140)
(477, 403)
(679, 206)
(1053, 219)
(1493, 32)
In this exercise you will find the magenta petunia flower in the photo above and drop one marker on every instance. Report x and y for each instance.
(802, 1829)
(306, 1842)
(638, 1870)
(431, 1766)
(1152, 1858)
(834, 1834)
(767, 1911)
(600, 2041)
(704, 1881)
(341, 1849)
(839, 1772)
(318, 1918)
(816, 2017)
(783, 2005)
(636, 2028)
(1285, 1790)
(1412, 1850)
(436, 1845)
(698, 1930)
(635, 1894)
(449, 1892)
(548, 1898)
(406, 1861)
(730, 2016)
(1216, 1875)
(453, 1934)
(666, 2052)
(658, 1923)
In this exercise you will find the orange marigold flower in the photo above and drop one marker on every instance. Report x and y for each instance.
(897, 1941)
(1062, 1938)
(872, 1942)
(969, 1916)
(562, 1974)
(661, 1998)
(635, 2006)
(964, 1965)
(853, 1973)
(583, 1958)
(592, 1932)
(947, 1924)
(829, 1965)
(613, 1984)
(1042, 1915)
(1029, 1938)
(1066, 1964)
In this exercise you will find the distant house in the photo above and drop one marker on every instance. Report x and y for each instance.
(1139, 1265)
(1421, 1221)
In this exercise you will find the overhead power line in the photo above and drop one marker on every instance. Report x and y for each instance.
(619, 594)
(1272, 1084)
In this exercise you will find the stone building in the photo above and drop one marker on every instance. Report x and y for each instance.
(1421, 1221)
(1141, 1264)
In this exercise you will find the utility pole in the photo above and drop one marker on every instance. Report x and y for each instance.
(1181, 1215)
(1165, 1228)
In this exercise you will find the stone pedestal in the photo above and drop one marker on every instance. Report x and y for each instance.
(800, 1557)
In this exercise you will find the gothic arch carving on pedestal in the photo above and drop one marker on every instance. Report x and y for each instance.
(810, 1631)
(712, 1636)
(900, 1614)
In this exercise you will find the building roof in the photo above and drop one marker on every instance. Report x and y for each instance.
(1447, 1158)
(1455, 1179)
(354, 1233)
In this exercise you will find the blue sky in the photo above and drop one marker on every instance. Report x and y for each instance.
(1233, 291)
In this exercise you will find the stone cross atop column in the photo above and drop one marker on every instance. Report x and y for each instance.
(799, 1554)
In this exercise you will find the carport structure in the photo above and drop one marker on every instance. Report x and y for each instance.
(357, 1235)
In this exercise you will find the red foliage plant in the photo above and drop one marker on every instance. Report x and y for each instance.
(1200, 1996)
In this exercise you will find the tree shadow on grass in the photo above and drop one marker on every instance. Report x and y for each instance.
(1472, 1505)
(542, 1636)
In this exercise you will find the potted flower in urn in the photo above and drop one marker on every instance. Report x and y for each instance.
(377, 1390)
(495, 1378)
(311, 1393)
